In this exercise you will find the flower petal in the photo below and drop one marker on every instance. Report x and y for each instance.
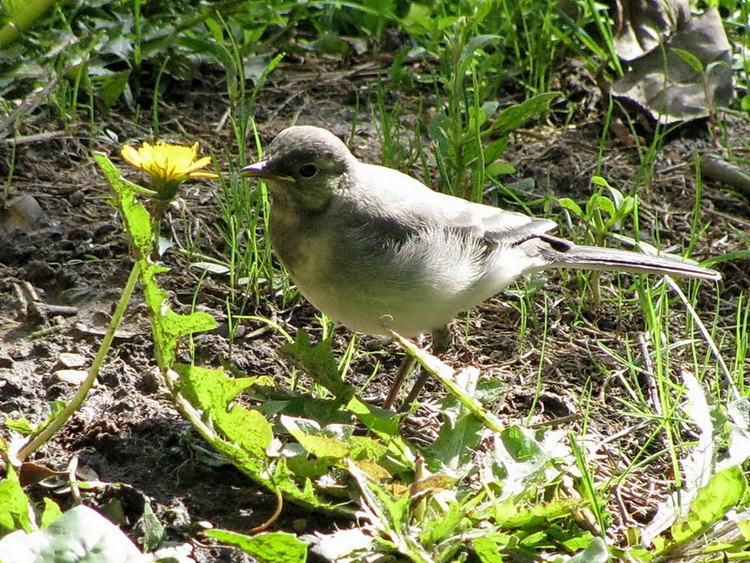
(167, 163)
(197, 165)
(131, 156)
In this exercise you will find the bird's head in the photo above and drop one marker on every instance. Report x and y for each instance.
(303, 167)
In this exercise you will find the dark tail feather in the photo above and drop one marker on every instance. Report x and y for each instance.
(564, 254)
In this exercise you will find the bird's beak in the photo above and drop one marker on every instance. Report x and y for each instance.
(258, 170)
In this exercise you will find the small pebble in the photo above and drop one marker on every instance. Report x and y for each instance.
(68, 360)
(72, 376)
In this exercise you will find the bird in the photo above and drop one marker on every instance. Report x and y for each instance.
(378, 251)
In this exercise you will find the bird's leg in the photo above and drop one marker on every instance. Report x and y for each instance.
(441, 341)
(398, 381)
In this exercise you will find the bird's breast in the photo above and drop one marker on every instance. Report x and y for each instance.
(371, 279)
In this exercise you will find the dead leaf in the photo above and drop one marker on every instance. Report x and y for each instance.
(641, 25)
(686, 77)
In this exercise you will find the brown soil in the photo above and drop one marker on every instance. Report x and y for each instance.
(61, 277)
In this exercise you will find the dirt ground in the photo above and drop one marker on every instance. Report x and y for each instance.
(61, 276)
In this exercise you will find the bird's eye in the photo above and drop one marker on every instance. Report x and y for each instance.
(308, 170)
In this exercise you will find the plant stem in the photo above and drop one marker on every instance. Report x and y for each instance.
(62, 416)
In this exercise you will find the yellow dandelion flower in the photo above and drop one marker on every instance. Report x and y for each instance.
(168, 165)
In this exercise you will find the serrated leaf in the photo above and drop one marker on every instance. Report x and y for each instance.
(725, 489)
(136, 217)
(272, 547)
(319, 362)
(214, 392)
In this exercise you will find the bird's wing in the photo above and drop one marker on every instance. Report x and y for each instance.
(410, 202)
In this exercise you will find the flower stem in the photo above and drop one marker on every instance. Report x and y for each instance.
(57, 421)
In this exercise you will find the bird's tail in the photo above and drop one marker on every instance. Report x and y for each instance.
(564, 254)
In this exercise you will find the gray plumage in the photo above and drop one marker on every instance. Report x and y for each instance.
(374, 248)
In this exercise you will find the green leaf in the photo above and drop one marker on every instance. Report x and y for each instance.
(516, 116)
(603, 204)
(316, 443)
(460, 432)
(600, 181)
(445, 374)
(499, 169)
(437, 130)
(473, 44)
(392, 513)
(307, 468)
(110, 85)
(495, 149)
(477, 118)
(81, 534)
(136, 217)
(382, 422)
(153, 529)
(331, 45)
(275, 547)
(51, 512)
(14, 505)
(20, 425)
(522, 447)
(213, 391)
(572, 206)
(725, 489)
(452, 522)
(497, 540)
(512, 515)
(694, 62)
(487, 550)
(319, 362)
